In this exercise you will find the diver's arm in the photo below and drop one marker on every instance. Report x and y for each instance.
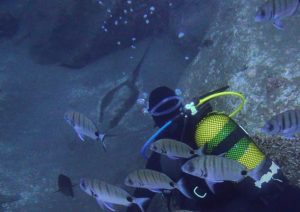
(154, 164)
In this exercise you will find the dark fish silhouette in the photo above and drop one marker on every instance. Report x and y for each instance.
(65, 185)
(125, 102)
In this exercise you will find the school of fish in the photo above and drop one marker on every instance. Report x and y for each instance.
(211, 168)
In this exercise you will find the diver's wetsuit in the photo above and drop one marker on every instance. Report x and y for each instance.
(231, 197)
(183, 129)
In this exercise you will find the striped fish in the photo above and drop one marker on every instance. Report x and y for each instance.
(275, 10)
(286, 124)
(174, 149)
(154, 181)
(83, 126)
(215, 168)
(108, 196)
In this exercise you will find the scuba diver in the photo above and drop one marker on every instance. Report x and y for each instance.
(197, 125)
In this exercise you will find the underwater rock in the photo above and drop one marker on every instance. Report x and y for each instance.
(8, 25)
(71, 26)
(189, 23)
(274, 83)
(240, 42)
(86, 30)
(8, 199)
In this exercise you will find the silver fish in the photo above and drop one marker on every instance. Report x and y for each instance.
(108, 196)
(83, 126)
(174, 149)
(286, 124)
(275, 10)
(154, 181)
(215, 168)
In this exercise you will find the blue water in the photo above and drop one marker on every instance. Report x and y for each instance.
(66, 55)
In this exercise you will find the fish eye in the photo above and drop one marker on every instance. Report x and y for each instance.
(154, 147)
(270, 127)
(83, 185)
(129, 181)
(172, 184)
(244, 172)
(192, 152)
(129, 199)
(190, 167)
(262, 12)
(97, 134)
(93, 193)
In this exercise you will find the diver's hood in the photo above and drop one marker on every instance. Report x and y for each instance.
(156, 97)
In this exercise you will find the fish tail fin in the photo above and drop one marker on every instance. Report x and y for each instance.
(211, 186)
(101, 138)
(141, 202)
(254, 173)
(200, 151)
(182, 188)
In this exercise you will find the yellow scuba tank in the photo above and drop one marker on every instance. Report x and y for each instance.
(219, 134)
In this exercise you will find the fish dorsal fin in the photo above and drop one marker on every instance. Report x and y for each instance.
(81, 136)
(156, 190)
(211, 185)
(105, 205)
(180, 185)
(109, 206)
(173, 157)
(79, 133)
(278, 24)
(101, 138)
(199, 151)
(141, 202)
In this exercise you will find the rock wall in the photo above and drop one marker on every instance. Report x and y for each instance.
(76, 33)
(253, 58)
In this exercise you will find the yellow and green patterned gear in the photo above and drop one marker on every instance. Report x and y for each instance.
(219, 134)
